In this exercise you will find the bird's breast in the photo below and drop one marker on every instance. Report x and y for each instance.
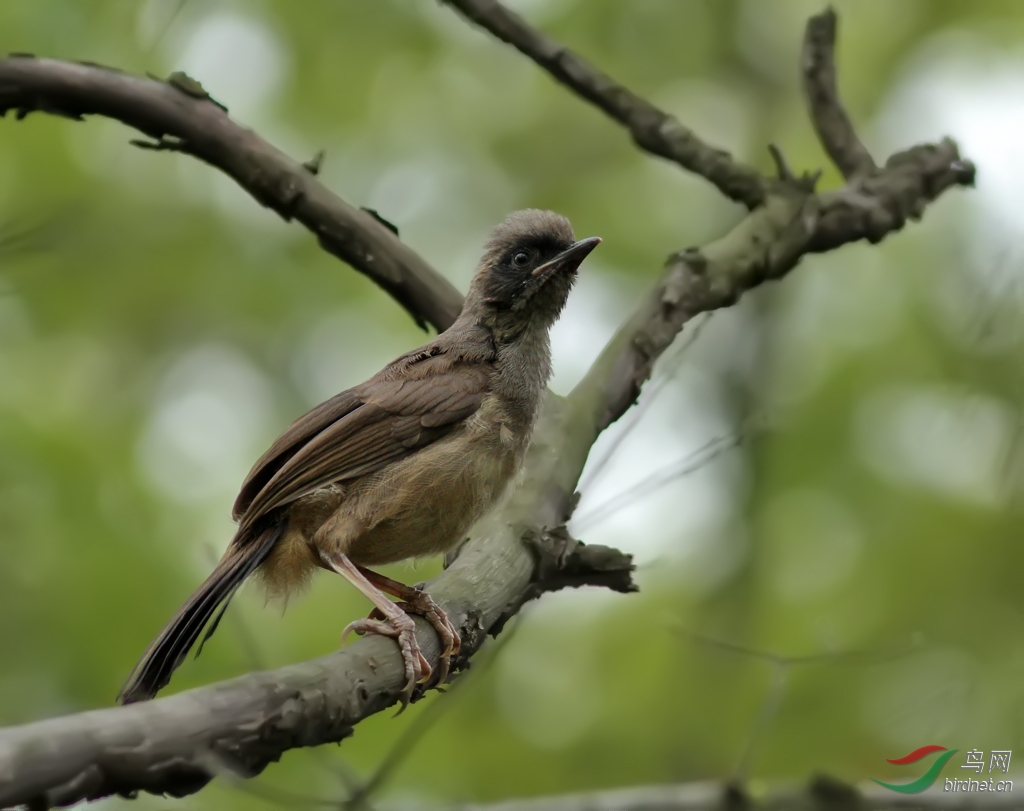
(427, 503)
(423, 505)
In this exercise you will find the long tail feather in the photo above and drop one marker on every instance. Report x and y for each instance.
(170, 648)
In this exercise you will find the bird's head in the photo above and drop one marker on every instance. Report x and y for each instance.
(528, 267)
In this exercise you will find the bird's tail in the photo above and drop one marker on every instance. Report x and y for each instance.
(169, 649)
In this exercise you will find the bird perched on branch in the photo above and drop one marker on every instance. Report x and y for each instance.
(399, 466)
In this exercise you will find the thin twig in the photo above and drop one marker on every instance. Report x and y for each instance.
(781, 665)
(651, 484)
(765, 715)
(863, 657)
(650, 393)
(168, 24)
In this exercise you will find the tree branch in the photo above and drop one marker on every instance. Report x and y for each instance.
(653, 130)
(176, 744)
(766, 245)
(835, 131)
(181, 117)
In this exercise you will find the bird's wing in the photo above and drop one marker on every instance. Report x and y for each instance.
(363, 430)
(285, 446)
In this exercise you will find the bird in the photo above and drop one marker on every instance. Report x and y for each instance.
(400, 466)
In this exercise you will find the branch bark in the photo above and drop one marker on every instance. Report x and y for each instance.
(174, 745)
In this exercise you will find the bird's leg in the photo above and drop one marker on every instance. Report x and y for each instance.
(417, 601)
(396, 623)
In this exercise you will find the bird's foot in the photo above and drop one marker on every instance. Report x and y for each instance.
(416, 601)
(402, 629)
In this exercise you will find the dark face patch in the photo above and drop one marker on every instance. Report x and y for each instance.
(517, 286)
(517, 247)
(511, 281)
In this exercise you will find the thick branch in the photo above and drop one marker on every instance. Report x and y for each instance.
(182, 118)
(834, 128)
(652, 129)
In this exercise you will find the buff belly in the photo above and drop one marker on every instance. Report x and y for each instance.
(444, 490)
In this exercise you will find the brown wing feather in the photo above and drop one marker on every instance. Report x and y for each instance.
(295, 436)
(389, 420)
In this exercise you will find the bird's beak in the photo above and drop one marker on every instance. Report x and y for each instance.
(569, 259)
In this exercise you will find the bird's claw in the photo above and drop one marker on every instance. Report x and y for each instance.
(419, 602)
(401, 628)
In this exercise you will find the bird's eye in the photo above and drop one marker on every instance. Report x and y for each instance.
(521, 259)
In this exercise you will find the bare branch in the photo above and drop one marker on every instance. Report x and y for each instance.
(179, 116)
(835, 131)
(652, 129)
(765, 246)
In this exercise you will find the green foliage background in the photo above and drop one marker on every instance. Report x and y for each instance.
(158, 329)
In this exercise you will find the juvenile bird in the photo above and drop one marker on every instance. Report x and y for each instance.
(399, 466)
